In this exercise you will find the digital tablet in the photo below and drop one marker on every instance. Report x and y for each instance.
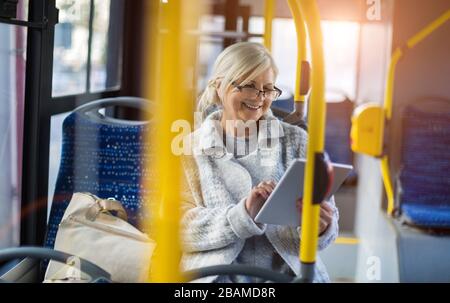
(280, 208)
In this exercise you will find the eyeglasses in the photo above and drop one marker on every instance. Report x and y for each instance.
(251, 92)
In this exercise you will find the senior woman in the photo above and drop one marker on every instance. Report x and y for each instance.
(239, 152)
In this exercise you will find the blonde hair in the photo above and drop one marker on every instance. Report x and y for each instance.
(243, 59)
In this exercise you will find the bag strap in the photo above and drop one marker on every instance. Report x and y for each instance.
(106, 205)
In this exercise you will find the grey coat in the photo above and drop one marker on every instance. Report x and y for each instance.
(215, 222)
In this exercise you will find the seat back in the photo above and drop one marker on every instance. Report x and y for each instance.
(103, 156)
(338, 125)
(425, 170)
(337, 133)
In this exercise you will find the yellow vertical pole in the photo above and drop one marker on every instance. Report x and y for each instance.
(269, 11)
(386, 176)
(316, 122)
(384, 163)
(167, 78)
(389, 90)
(301, 47)
(167, 214)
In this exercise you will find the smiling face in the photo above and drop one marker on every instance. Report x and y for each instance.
(236, 106)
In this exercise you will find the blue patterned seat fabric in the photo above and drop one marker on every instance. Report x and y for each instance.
(105, 159)
(425, 174)
(337, 133)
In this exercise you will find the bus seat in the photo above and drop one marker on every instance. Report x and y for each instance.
(337, 133)
(424, 178)
(104, 156)
(285, 103)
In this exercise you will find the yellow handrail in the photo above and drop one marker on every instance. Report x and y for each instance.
(269, 11)
(172, 55)
(167, 213)
(316, 122)
(430, 28)
(389, 92)
(385, 174)
(398, 53)
(301, 47)
(390, 82)
(384, 164)
(171, 68)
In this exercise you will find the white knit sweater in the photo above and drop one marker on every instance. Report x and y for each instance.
(215, 223)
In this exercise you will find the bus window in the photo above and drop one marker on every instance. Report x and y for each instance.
(209, 48)
(105, 72)
(341, 40)
(79, 69)
(12, 92)
(70, 53)
(340, 46)
(85, 72)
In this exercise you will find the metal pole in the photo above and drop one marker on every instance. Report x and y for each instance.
(167, 77)
(269, 10)
(316, 122)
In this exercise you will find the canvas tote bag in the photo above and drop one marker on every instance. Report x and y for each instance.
(97, 230)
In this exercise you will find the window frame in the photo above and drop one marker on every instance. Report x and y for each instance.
(65, 103)
(40, 107)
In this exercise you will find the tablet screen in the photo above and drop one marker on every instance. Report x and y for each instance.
(280, 207)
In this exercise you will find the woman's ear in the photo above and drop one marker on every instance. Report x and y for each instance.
(217, 85)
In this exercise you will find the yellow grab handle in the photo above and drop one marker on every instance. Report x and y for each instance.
(430, 28)
(173, 53)
(387, 184)
(398, 53)
(316, 122)
(301, 47)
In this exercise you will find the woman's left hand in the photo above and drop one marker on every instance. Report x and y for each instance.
(326, 215)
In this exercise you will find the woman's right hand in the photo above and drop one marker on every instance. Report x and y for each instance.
(258, 197)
